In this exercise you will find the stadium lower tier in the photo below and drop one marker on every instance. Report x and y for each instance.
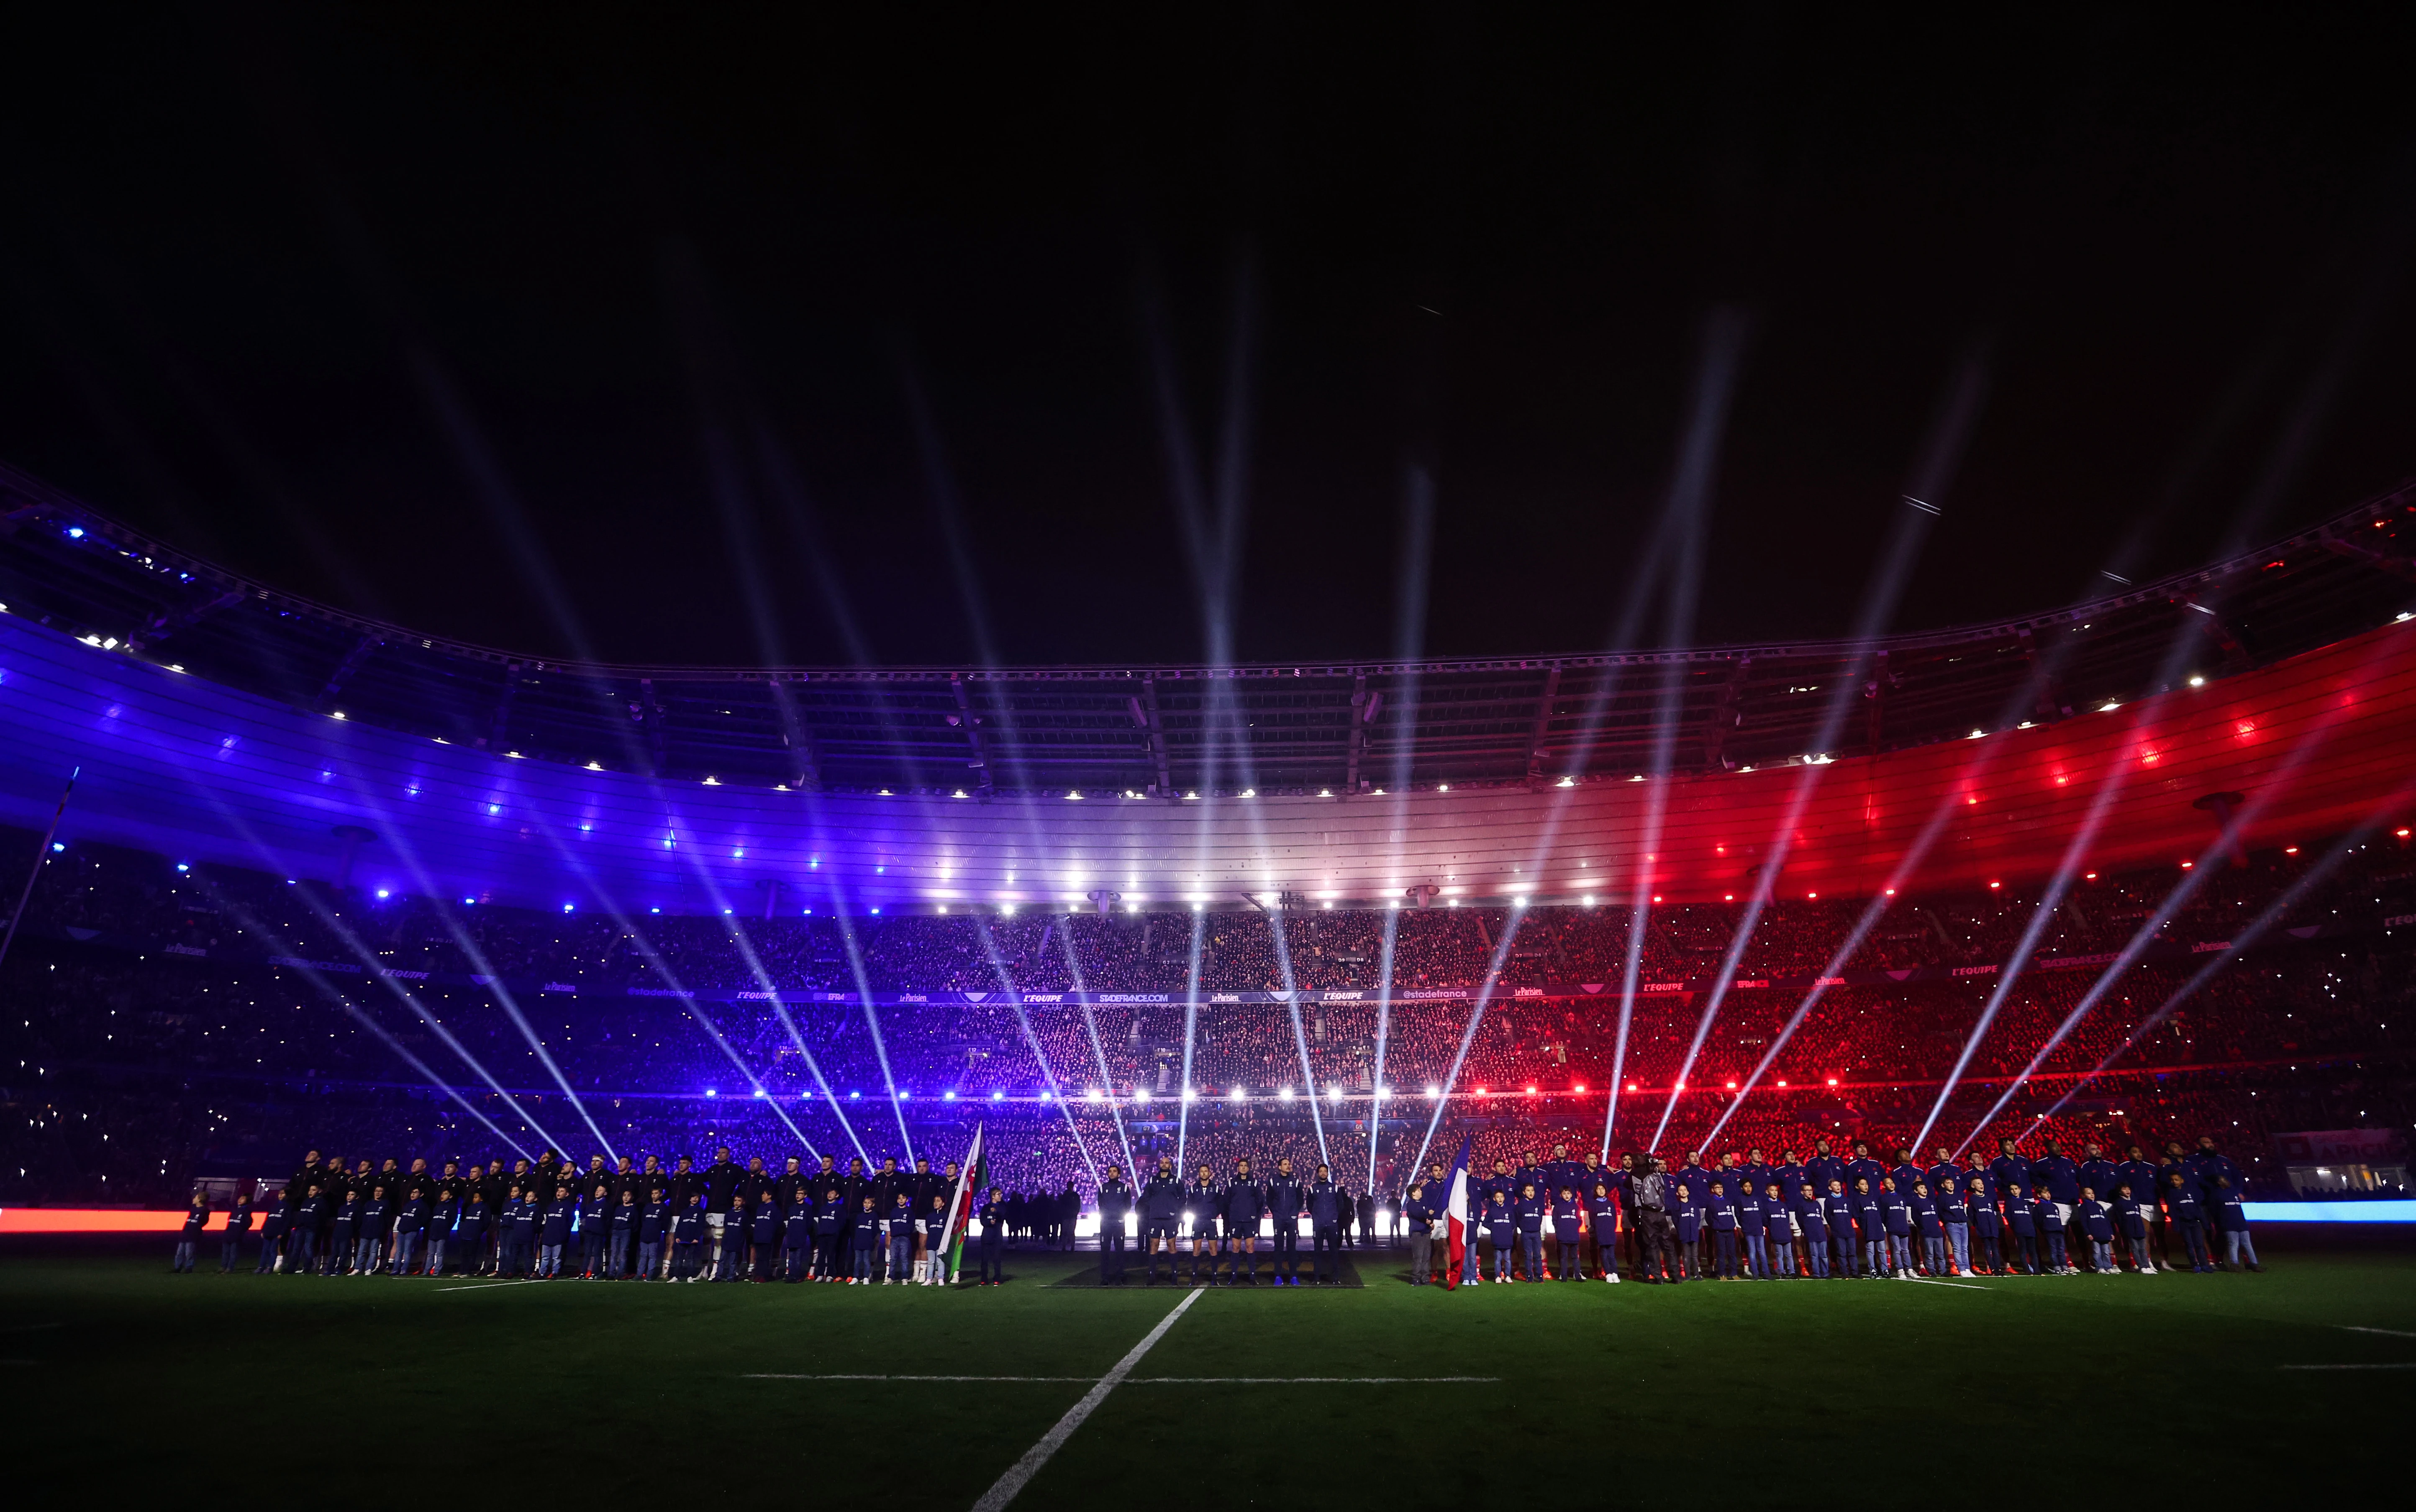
(129, 1072)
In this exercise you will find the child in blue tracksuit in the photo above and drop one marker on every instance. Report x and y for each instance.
(302, 1229)
(1956, 1215)
(1987, 1227)
(339, 1248)
(901, 1242)
(867, 1233)
(624, 1234)
(650, 1221)
(2050, 1225)
(2022, 1217)
(2183, 1209)
(688, 1238)
(1568, 1227)
(1530, 1211)
(368, 1246)
(1776, 1214)
(1723, 1212)
(2098, 1224)
(1871, 1227)
(238, 1223)
(1837, 1211)
(2231, 1221)
(1750, 1233)
(1690, 1242)
(2132, 1219)
(409, 1220)
(1896, 1216)
(554, 1233)
(197, 1217)
(272, 1239)
(1815, 1224)
(1501, 1224)
(470, 1235)
(1932, 1227)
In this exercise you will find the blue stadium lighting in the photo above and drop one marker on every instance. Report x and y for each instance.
(470, 903)
(710, 1093)
(759, 1091)
(182, 866)
(653, 911)
(995, 1096)
(382, 892)
(948, 1096)
(903, 1096)
(855, 1094)
(75, 532)
(2381, 1212)
(566, 907)
(495, 808)
(876, 909)
(58, 845)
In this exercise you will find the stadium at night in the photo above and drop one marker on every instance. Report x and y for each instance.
(1182, 783)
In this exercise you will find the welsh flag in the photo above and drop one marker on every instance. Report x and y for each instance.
(1455, 1218)
(973, 1179)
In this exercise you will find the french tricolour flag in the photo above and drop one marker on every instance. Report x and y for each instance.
(1455, 1218)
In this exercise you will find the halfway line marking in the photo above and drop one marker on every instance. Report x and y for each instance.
(486, 1286)
(1020, 1472)
(2396, 1364)
(768, 1375)
(1960, 1286)
(2394, 1333)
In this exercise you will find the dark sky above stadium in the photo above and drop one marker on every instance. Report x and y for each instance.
(421, 310)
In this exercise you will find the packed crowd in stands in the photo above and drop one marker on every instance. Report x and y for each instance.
(131, 1070)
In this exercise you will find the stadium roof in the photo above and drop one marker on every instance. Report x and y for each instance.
(1340, 728)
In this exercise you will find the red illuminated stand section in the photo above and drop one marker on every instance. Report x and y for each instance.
(96, 1220)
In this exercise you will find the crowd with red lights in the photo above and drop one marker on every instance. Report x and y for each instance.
(142, 1065)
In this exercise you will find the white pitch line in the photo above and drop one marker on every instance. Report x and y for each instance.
(485, 1286)
(1020, 1472)
(1960, 1286)
(768, 1375)
(1158, 1379)
(2354, 1328)
(2395, 1365)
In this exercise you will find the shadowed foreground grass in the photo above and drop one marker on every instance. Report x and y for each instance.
(117, 1370)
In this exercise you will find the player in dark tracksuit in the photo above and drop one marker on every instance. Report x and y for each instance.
(1837, 1211)
(1987, 1225)
(197, 1217)
(2021, 1229)
(1161, 1216)
(274, 1226)
(2048, 1215)
(1813, 1218)
(1116, 1206)
(1284, 1205)
(1205, 1202)
(2182, 1210)
(992, 1215)
(1327, 1203)
(1723, 1214)
(1246, 1207)
(1778, 1213)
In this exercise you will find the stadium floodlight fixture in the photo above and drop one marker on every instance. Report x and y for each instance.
(1325, 792)
(567, 907)
(1284, 1093)
(948, 1095)
(1073, 794)
(381, 892)
(2109, 706)
(710, 1093)
(1190, 1094)
(996, 1095)
(855, 1094)
(338, 713)
(759, 1091)
(1241, 1093)
(1589, 899)
(2197, 680)
(1566, 782)
(713, 782)
(1191, 797)
(1581, 1086)
(944, 908)
(1249, 793)
(596, 766)
(75, 532)
(1434, 1092)
(1442, 787)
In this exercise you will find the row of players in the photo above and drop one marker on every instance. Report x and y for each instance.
(1749, 1219)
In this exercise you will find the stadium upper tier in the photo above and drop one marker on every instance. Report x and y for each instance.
(218, 717)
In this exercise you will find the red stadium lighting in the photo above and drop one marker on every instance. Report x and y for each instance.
(1891, 892)
(1731, 1086)
(2402, 833)
(1730, 898)
(1531, 1091)
(1631, 1086)
(2186, 865)
(2289, 850)
(1656, 896)
(1782, 1081)
(1581, 1086)
(1995, 885)
(1811, 895)
(1832, 1080)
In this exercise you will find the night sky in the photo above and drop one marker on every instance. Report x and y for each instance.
(532, 329)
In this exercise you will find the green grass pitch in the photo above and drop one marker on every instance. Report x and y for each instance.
(122, 1379)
